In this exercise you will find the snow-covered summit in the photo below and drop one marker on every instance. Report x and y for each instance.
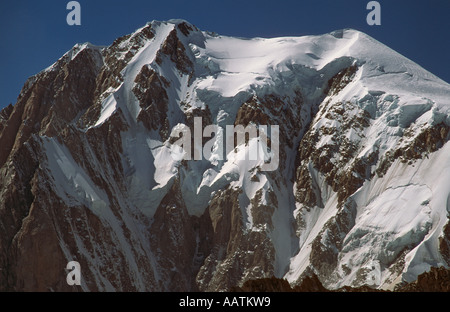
(231, 65)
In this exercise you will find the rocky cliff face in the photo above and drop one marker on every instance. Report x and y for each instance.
(359, 197)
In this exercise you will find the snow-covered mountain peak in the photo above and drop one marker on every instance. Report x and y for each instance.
(358, 195)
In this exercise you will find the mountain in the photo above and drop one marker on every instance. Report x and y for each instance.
(352, 186)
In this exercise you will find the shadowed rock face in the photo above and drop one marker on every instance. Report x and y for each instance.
(435, 280)
(27, 200)
(236, 253)
(108, 194)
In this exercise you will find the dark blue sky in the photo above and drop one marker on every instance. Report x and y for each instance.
(34, 34)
